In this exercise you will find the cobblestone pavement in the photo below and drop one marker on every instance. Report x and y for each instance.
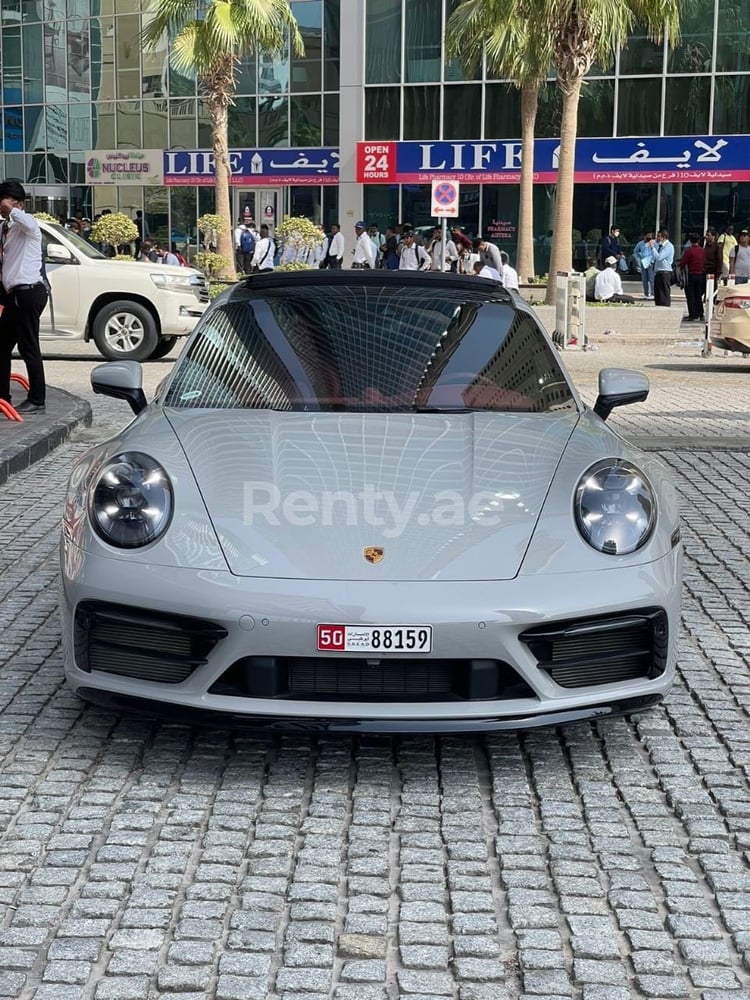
(597, 862)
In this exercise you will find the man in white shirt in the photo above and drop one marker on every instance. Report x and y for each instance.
(24, 295)
(333, 249)
(364, 251)
(413, 257)
(486, 271)
(435, 250)
(265, 251)
(608, 284)
(509, 274)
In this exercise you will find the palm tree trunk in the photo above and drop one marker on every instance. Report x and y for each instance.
(219, 111)
(525, 260)
(562, 237)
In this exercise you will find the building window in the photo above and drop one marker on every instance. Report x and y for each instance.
(733, 45)
(502, 111)
(462, 111)
(731, 104)
(382, 113)
(421, 112)
(639, 107)
(686, 105)
(423, 46)
(383, 41)
(596, 110)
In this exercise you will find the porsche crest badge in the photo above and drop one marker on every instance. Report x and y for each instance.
(373, 553)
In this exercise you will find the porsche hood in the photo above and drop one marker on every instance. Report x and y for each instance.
(373, 496)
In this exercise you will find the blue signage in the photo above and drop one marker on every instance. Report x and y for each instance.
(255, 167)
(627, 160)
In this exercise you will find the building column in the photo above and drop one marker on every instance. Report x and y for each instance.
(351, 114)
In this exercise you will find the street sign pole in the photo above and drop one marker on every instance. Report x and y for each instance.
(444, 206)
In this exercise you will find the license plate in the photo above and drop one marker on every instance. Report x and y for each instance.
(379, 639)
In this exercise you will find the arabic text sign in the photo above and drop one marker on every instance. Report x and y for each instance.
(255, 167)
(124, 166)
(625, 160)
(444, 199)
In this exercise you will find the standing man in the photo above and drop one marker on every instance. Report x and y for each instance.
(364, 251)
(611, 245)
(693, 261)
(24, 295)
(727, 241)
(413, 257)
(739, 261)
(143, 232)
(333, 248)
(509, 274)
(663, 252)
(488, 253)
(265, 251)
(435, 250)
(713, 261)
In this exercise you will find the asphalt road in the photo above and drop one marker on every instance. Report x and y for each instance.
(598, 862)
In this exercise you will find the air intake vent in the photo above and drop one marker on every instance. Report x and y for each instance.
(363, 679)
(117, 639)
(606, 650)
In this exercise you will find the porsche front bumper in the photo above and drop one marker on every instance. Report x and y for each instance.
(272, 621)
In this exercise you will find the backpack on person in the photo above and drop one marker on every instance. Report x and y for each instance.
(247, 241)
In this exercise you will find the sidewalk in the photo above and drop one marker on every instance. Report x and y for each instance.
(22, 444)
(640, 323)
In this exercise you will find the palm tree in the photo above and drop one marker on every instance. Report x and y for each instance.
(504, 34)
(210, 38)
(584, 32)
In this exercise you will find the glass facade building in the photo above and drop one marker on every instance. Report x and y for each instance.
(76, 79)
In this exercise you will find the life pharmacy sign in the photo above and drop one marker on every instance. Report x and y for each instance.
(254, 167)
(124, 166)
(633, 160)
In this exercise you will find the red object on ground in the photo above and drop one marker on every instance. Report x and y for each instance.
(21, 379)
(10, 411)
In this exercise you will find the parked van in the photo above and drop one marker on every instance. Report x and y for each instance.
(132, 310)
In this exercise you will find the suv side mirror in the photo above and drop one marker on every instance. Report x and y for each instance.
(58, 254)
(619, 387)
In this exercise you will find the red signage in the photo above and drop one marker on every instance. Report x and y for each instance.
(376, 162)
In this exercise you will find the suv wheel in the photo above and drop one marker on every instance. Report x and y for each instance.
(163, 348)
(125, 331)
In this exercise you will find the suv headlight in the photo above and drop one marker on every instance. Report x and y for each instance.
(177, 282)
(131, 501)
(615, 507)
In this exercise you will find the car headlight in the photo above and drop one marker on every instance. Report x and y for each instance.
(615, 507)
(131, 501)
(177, 282)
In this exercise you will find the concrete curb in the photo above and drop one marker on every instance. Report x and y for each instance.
(23, 444)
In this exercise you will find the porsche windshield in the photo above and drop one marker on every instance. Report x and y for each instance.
(378, 347)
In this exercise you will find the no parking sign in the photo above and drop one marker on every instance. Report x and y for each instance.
(445, 199)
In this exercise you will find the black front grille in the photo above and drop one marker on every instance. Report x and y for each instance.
(117, 639)
(377, 679)
(604, 650)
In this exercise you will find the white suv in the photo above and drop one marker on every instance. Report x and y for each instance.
(131, 310)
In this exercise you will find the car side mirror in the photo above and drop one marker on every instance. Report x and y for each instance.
(120, 380)
(619, 387)
(58, 254)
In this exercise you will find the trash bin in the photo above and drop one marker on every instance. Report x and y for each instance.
(570, 310)
(730, 325)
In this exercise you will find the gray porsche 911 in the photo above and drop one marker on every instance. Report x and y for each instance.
(370, 501)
